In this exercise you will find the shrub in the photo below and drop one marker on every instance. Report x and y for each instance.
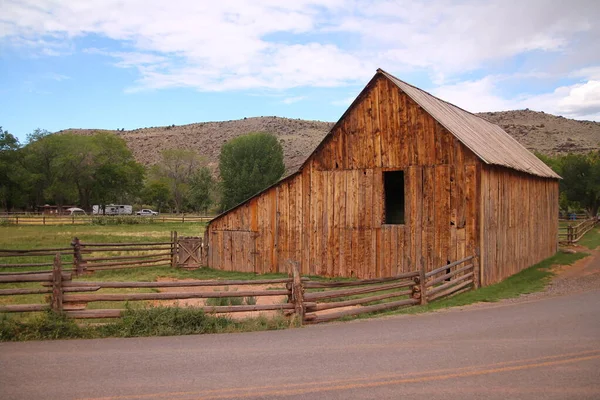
(49, 325)
(224, 301)
(164, 321)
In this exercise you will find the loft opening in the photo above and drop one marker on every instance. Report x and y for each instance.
(393, 186)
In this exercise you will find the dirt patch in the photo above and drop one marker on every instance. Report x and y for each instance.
(261, 300)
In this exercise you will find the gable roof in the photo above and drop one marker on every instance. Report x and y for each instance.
(488, 141)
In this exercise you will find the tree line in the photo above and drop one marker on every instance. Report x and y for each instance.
(580, 183)
(69, 169)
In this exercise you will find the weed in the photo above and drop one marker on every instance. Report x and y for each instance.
(48, 325)
(250, 300)
(225, 301)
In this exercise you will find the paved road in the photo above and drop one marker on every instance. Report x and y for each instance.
(545, 349)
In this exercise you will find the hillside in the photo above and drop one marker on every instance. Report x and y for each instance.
(538, 131)
(298, 137)
(547, 133)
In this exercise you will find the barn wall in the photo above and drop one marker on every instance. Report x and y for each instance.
(519, 221)
(329, 216)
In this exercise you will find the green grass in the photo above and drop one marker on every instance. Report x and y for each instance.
(591, 240)
(150, 321)
(530, 280)
(36, 237)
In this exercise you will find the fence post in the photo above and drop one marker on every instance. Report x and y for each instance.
(297, 292)
(476, 271)
(422, 287)
(57, 289)
(17, 220)
(174, 249)
(570, 234)
(77, 259)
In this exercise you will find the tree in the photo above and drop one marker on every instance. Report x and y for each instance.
(176, 169)
(70, 168)
(580, 186)
(202, 185)
(581, 180)
(10, 189)
(249, 164)
(157, 193)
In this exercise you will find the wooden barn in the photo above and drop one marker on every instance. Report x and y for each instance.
(403, 181)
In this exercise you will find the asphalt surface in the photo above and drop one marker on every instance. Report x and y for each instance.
(543, 349)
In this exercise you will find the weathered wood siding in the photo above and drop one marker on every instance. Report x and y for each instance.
(329, 217)
(519, 222)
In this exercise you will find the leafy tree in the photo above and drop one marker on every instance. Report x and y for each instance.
(581, 180)
(176, 169)
(580, 186)
(156, 192)
(69, 168)
(249, 164)
(201, 195)
(10, 188)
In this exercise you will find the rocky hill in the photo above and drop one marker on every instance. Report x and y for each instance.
(547, 133)
(298, 137)
(538, 131)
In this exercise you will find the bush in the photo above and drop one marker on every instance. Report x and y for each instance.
(49, 325)
(164, 321)
(224, 301)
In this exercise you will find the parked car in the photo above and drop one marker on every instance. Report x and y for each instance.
(146, 211)
(75, 211)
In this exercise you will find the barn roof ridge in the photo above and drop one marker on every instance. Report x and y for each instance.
(536, 166)
(492, 144)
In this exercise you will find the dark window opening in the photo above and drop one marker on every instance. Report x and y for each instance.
(393, 182)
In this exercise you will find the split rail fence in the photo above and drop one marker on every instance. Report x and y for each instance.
(309, 300)
(38, 220)
(572, 233)
(183, 252)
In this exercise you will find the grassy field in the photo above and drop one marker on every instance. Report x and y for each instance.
(35, 237)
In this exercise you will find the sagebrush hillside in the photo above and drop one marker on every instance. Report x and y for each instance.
(537, 131)
(547, 133)
(298, 137)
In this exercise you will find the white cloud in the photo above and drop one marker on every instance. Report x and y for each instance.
(276, 45)
(579, 101)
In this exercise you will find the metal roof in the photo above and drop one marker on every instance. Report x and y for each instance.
(488, 141)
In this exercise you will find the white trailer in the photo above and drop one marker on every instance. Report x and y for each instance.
(112, 209)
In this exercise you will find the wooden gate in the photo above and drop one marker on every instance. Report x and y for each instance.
(189, 252)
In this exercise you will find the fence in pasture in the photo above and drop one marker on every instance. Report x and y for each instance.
(183, 252)
(310, 301)
(42, 220)
(571, 233)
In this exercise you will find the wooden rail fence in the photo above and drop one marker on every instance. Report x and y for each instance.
(310, 301)
(38, 220)
(572, 233)
(183, 252)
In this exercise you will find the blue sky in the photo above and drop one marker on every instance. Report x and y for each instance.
(115, 64)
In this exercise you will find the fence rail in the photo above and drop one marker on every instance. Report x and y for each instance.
(89, 257)
(38, 220)
(312, 301)
(572, 233)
